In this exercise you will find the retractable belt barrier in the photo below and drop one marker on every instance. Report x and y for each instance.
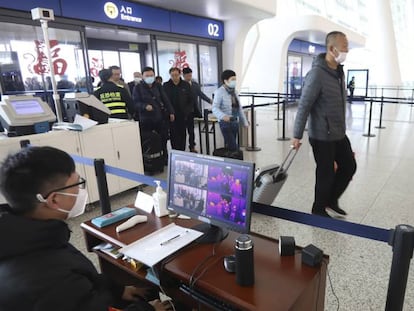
(144, 179)
(332, 224)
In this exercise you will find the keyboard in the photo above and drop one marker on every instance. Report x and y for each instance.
(208, 300)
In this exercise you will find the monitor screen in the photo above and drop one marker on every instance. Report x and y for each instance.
(216, 191)
(27, 107)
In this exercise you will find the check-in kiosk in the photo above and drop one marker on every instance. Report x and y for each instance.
(86, 105)
(25, 115)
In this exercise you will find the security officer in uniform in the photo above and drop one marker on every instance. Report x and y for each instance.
(113, 96)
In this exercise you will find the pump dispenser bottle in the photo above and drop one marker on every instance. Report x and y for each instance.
(160, 201)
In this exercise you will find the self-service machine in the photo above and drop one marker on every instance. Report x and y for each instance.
(86, 105)
(25, 115)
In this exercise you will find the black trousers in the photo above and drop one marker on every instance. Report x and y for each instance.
(330, 184)
(178, 135)
(190, 130)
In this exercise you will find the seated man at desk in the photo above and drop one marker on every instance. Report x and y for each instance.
(39, 268)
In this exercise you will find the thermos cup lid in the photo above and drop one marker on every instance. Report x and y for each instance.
(244, 242)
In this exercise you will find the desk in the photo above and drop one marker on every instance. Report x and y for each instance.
(281, 283)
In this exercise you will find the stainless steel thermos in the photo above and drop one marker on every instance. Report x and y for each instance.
(244, 260)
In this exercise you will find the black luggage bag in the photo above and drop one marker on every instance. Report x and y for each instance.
(152, 152)
(226, 153)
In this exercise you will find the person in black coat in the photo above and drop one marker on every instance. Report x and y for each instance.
(113, 96)
(152, 107)
(196, 93)
(179, 93)
(39, 268)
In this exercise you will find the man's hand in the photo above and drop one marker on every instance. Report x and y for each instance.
(160, 306)
(296, 143)
(148, 107)
(172, 117)
(226, 119)
(131, 293)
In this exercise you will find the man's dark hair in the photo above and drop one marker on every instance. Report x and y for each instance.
(227, 74)
(145, 69)
(331, 37)
(105, 74)
(114, 67)
(31, 171)
(187, 70)
(174, 69)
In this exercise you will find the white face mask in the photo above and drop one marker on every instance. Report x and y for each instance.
(341, 57)
(79, 206)
(137, 80)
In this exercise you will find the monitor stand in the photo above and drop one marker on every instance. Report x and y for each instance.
(212, 234)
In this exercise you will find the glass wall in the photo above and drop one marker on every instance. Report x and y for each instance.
(24, 62)
(129, 62)
(176, 54)
(204, 64)
(209, 71)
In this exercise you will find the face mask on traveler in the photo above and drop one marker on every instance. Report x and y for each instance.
(137, 80)
(149, 80)
(341, 57)
(79, 206)
(232, 84)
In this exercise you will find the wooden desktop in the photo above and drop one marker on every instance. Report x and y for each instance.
(281, 283)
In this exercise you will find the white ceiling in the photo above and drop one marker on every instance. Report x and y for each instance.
(216, 9)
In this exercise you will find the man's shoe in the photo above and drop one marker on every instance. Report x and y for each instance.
(322, 213)
(337, 210)
(193, 150)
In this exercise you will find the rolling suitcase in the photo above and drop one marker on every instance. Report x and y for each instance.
(152, 152)
(225, 153)
(270, 179)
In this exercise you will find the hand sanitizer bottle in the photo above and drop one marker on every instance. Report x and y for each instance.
(160, 201)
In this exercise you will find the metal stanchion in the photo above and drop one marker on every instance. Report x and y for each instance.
(380, 118)
(284, 138)
(402, 242)
(369, 122)
(253, 127)
(207, 135)
(278, 107)
(102, 186)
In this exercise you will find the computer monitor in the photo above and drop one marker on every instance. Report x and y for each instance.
(217, 191)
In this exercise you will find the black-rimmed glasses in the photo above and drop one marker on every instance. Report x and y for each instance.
(81, 183)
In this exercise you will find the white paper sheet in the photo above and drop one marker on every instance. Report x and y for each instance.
(160, 244)
(84, 122)
(144, 202)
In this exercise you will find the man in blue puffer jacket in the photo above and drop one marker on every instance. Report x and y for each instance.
(323, 100)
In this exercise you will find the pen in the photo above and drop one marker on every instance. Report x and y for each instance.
(169, 240)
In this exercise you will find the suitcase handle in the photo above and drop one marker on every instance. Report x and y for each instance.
(289, 157)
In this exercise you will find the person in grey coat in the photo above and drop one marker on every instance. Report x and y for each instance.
(322, 104)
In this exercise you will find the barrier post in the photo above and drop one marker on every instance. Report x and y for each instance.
(380, 118)
(253, 127)
(284, 138)
(369, 121)
(206, 129)
(99, 165)
(278, 107)
(412, 98)
(402, 242)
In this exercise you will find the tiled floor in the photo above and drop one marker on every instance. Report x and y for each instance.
(381, 194)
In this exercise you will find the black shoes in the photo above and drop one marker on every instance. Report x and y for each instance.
(320, 212)
(337, 210)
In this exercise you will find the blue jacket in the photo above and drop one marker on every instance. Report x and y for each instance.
(222, 106)
(323, 100)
